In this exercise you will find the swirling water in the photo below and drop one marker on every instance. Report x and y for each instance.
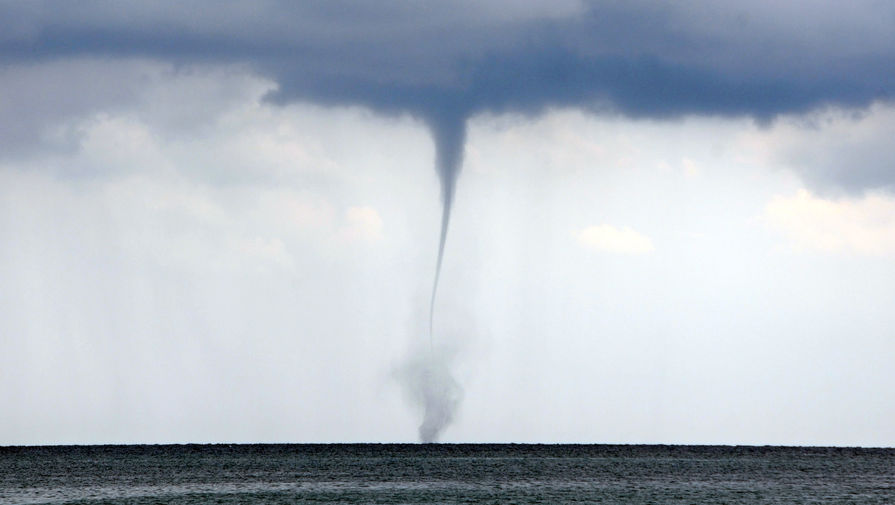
(445, 473)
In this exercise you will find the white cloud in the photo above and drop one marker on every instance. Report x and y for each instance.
(362, 224)
(690, 168)
(607, 238)
(831, 149)
(115, 144)
(858, 225)
(267, 250)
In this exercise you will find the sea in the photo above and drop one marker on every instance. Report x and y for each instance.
(445, 473)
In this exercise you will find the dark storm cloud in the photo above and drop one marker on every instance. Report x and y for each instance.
(444, 61)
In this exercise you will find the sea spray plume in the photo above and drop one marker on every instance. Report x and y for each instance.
(449, 135)
(429, 385)
(441, 395)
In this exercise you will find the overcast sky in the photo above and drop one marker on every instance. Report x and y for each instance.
(674, 223)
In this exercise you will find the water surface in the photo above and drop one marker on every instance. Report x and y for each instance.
(445, 473)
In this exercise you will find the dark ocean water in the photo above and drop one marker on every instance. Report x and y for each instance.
(445, 473)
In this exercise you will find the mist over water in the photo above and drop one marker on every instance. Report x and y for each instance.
(431, 388)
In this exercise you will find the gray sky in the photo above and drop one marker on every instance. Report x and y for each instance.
(673, 224)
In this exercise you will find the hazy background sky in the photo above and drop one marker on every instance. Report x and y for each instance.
(674, 224)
